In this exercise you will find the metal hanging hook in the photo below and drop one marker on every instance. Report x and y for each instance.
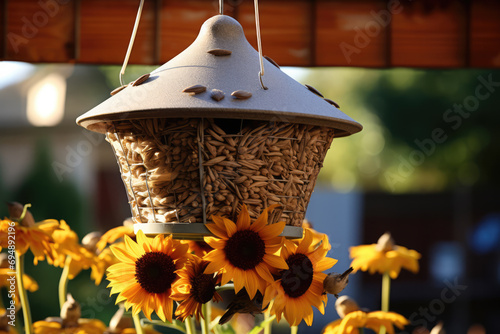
(131, 43)
(259, 43)
(221, 7)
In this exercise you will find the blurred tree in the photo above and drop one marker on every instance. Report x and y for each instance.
(51, 198)
(444, 121)
(424, 130)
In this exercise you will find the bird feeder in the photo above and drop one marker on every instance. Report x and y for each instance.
(200, 136)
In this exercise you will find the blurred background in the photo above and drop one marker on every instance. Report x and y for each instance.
(425, 167)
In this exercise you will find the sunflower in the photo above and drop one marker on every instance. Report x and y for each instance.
(85, 326)
(69, 321)
(194, 288)
(146, 272)
(29, 283)
(66, 243)
(317, 236)
(300, 287)
(100, 263)
(351, 323)
(384, 257)
(245, 252)
(121, 323)
(116, 233)
(6, 273)
(146, 330)
(198, 248)
(5, 328)
(76, 266)
(36, 237)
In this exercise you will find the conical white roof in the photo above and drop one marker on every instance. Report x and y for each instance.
(162, 96)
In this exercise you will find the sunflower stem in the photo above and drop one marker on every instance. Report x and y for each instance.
(177, 325)
(294, 329)
(361, 330)
(205, 321)
(63, 282)
(189, 326)
(386, 290)
(229, 286)
(22, 293)
(267, 315)
(137, 323)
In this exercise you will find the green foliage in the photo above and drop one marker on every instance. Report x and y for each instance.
(403, 111)
(50, 197)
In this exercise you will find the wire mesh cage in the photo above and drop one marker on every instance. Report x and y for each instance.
(186, 170)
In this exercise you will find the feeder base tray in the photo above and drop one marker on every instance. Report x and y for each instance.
(196, 231)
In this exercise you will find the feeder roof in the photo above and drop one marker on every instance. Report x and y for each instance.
(162, 96)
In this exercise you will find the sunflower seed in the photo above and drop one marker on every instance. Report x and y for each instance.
(214, 161)
(241, 94)
(217, 94)
(314, 90)
(117, 90)
(333, 103)
(141, 80)
(258, 166)
(269, 59)
(196, 89)
(219, 52)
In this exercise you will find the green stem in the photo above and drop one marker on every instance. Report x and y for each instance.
(386, 291)
(267, 315)
(63, 282)
(294, 329)
(205, 321)
(177, 325)
(229, 286)
(189, 326)
(361, 330)
(22, 293)
(137, 323)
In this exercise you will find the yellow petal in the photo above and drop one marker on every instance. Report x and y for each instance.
(325, 264)
(230, 227)
(305, 243)
(273, 230)
(275, 261)
(243, 218)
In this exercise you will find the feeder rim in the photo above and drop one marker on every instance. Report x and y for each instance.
(196, 231)
(344, 127)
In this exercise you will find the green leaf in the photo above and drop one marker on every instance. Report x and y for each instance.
(261, 326)
(221, 329)
(175, 325)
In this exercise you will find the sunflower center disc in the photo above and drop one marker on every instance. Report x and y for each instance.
(245, 249)
(155, 272)
(298, 278)
(202, 288)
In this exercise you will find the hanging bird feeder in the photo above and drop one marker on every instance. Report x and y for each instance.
(207, 132)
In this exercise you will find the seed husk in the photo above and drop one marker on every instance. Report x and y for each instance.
(314, 90)
(333, 103)
(219, 52)
(196, 89)
(241, 94)
(117, 90)
(269, 59)
(141, 79)
(217, 94)
(214, 161)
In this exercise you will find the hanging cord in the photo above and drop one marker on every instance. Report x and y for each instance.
(221, 7)
(259, 43)
(131, 43)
